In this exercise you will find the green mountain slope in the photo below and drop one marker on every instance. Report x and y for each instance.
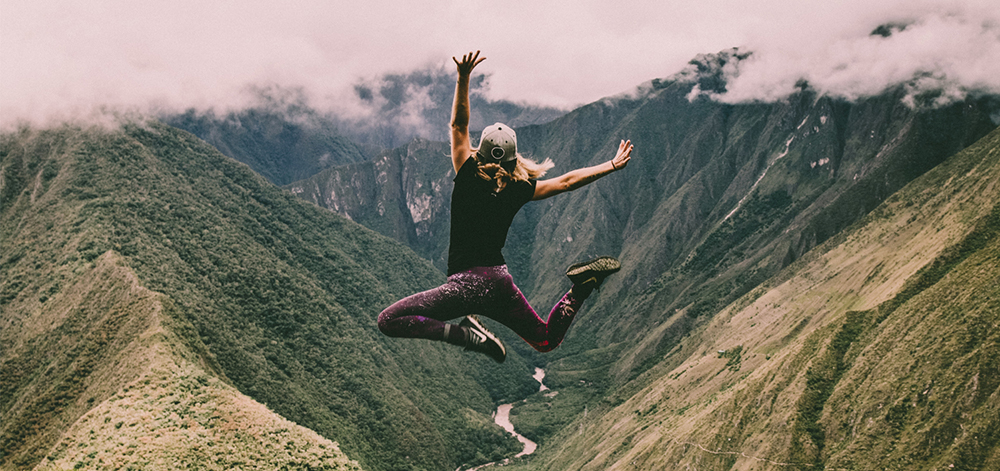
(876, 350)
(106, 334)
(721, 197)
(273, 297)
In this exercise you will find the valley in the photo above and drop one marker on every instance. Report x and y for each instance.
(810, 283)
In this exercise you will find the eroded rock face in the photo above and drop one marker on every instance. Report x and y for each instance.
(403, 194)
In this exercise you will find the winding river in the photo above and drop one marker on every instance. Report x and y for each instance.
(502, 418)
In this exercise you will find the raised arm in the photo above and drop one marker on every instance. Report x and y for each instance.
(577, 178)
(461, 145)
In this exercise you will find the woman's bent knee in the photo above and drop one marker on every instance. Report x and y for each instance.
(383, 321)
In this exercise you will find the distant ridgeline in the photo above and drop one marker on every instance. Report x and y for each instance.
(285, 140)
(282, 145)
(156, 295)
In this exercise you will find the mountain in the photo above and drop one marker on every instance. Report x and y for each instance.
(162, 303)
(806, 284)
(285, 139)
(718, 200)
(117, 339)
(877, 349)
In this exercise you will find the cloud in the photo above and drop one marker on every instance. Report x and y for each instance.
(954, 52)
(61, 59)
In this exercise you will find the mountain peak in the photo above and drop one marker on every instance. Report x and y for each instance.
(888, 29)
(708, 72)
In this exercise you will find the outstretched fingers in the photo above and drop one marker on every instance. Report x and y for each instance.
(468, 62)
(623, 155)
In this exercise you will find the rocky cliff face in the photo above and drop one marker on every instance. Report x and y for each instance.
(404, 193)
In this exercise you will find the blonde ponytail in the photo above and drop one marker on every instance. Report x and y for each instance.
(526, 169)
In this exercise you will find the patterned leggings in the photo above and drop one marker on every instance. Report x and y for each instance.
(487, 291)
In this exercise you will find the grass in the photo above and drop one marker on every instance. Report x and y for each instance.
(177, 416)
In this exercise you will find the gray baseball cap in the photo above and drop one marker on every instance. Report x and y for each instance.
(498, 145)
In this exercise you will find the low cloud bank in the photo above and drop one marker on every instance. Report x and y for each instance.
(63, 60)
(949, 56)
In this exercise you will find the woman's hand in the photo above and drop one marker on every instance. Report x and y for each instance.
(623, 156)
(469, 62)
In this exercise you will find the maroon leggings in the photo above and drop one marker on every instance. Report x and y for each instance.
(486, 291)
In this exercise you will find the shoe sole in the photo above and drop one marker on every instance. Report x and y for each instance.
(473, 321)
(599, 266)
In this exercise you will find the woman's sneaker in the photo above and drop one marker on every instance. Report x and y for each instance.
(589, 275)
(480, 339)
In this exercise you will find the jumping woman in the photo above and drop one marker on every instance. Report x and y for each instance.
(491, 185)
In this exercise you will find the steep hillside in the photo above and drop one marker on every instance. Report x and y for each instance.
(876, 350)
(719, 197)
(249, 286)
(177, 416)
(107, 348)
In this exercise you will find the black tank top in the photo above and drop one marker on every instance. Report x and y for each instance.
(480, 218)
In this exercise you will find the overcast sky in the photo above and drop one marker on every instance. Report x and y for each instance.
(63, 58)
